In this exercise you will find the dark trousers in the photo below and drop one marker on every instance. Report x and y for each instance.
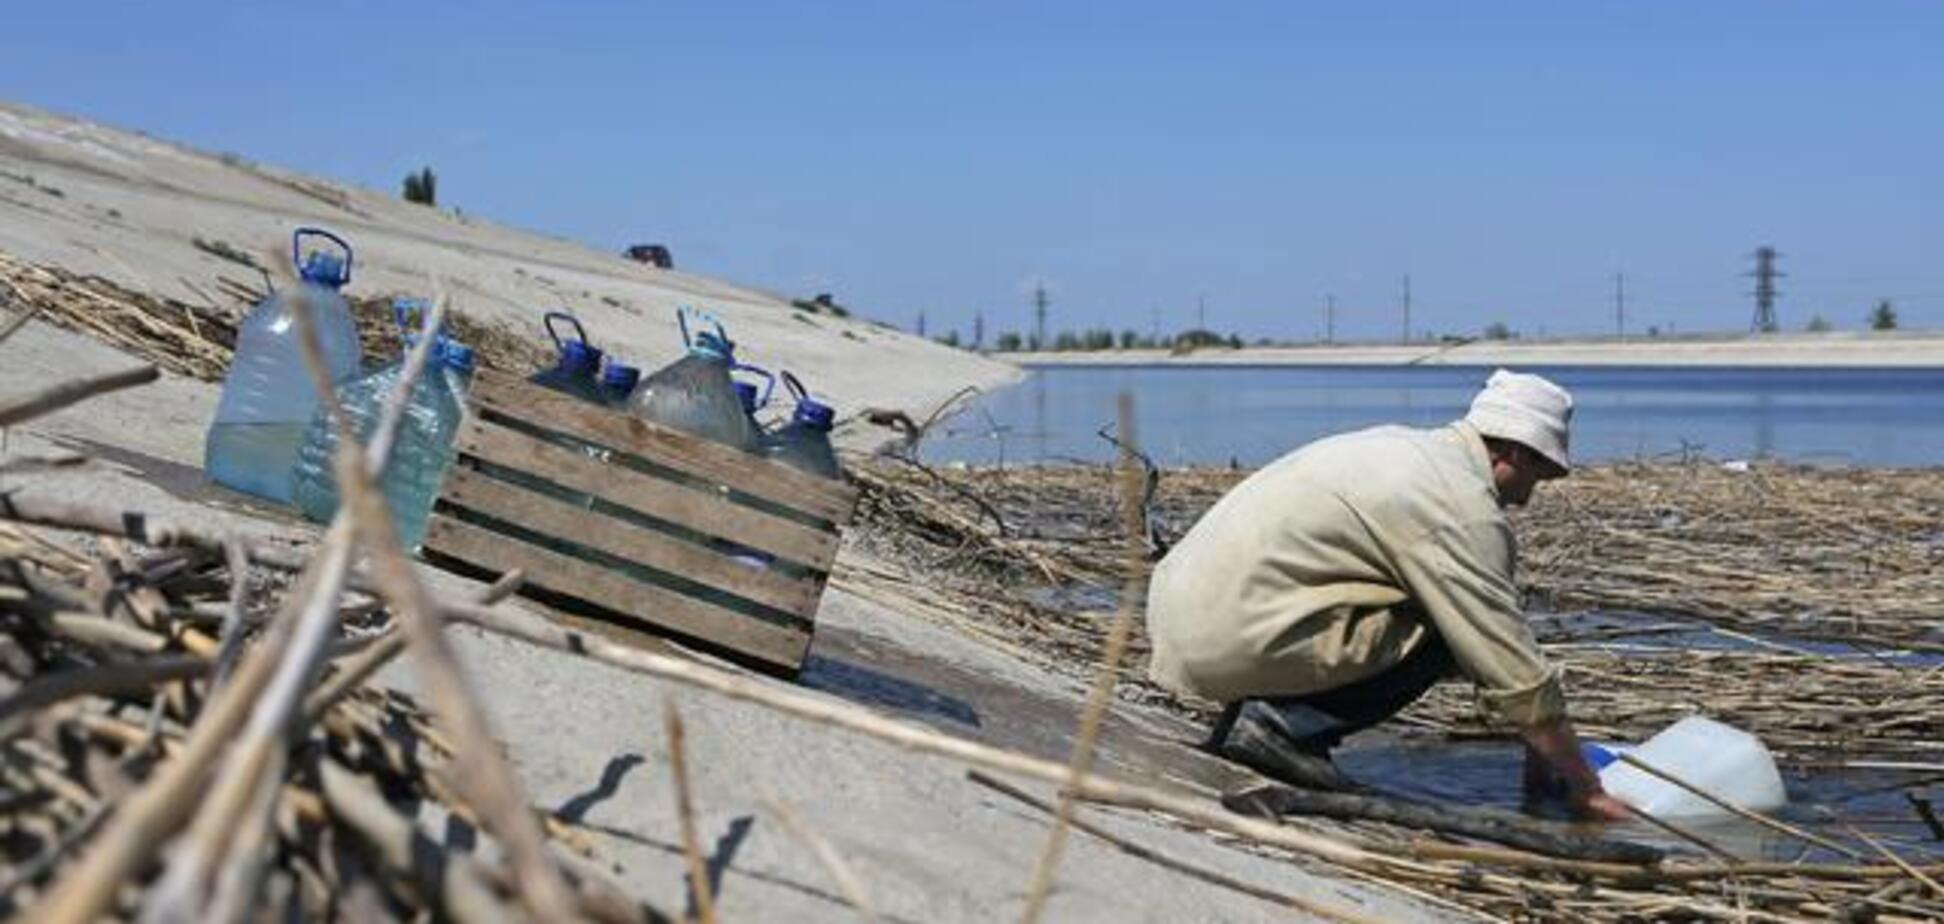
(1321, 720)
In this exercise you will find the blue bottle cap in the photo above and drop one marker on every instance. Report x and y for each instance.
(620, 377)
(814, 414)
(1597, 756)
(746, 393)
(325, 269)
(457, 356)
(579, 359)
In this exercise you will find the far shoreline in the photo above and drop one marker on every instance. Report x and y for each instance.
(1834, 350)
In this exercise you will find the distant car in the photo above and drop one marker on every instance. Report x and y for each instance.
(652, 254)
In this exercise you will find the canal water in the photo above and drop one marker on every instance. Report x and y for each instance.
(1247, 416)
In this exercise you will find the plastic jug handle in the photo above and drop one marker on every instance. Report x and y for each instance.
(548, 323)
(769, 381)
(682, 314)
(795, 385)
(297, 247)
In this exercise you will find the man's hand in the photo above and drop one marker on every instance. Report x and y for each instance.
(1602, 807)
(1554, 761)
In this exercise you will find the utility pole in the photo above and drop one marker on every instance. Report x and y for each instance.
(1407, 308)
(1765, 275)
(1620, 305)
(921, 324)
(1040, 301)
(1154, 324)
(1201, 312)
(1329, 318)
(978, 331)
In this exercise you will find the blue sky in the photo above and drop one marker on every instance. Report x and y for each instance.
(935, 157)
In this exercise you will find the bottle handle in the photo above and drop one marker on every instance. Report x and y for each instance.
(795, 385)
(297, 247)
(548, 323)
(769, 381)
(682, 313)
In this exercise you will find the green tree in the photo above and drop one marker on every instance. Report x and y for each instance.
(1129, 340)
(951, 338)
(422, 187)
(1066, 341)
(1818, 324)
(1498, 331)
(1883, 316)
(1008, 342)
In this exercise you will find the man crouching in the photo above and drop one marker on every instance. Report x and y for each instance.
(1333, 587)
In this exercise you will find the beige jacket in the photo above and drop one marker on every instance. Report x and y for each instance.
(1325, 567)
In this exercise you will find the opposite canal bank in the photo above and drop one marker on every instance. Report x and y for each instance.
(1831, 349)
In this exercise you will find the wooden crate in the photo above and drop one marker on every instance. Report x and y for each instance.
(651, 534)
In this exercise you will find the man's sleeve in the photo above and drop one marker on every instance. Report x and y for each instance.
(1462, 575)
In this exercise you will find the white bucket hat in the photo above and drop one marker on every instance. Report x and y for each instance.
(1527, 410)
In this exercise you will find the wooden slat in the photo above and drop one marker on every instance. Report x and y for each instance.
(552, 517)
(775, 482)
(707, 513)
(655, 607)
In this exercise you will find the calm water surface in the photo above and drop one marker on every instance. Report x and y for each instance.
(1250, 415)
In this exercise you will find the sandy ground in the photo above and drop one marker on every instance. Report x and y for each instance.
(928, 845)
(1902, 349)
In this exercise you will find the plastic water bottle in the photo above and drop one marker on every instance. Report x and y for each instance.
(577, 363)
(694, 394)
(1727, 763)
(419, 455)
(804, 442)
(457, 363)
(268, 399)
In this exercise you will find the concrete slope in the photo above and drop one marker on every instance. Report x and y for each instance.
(127, 207)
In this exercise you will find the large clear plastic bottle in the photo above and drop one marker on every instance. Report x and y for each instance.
(577, 365)
(268, 399)
(804, 442)
(419, 456)
(694, 394)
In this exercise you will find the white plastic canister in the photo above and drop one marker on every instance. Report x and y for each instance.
(1726, 762)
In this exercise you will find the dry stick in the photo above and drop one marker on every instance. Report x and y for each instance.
(55, 397)
(233, 623)
(110, 679)
(456, 881)
(1898, 861)
(258, 753)
(1103, 689)
(1285, 899)
(152, 813)
(825, 854)
(354, 670)
(27, 311)
(1737, 810)
(479, 769)
(1686, 835)
(698, 870)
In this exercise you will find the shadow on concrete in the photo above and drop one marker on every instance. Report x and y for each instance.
(576, 807)
(872, 687)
